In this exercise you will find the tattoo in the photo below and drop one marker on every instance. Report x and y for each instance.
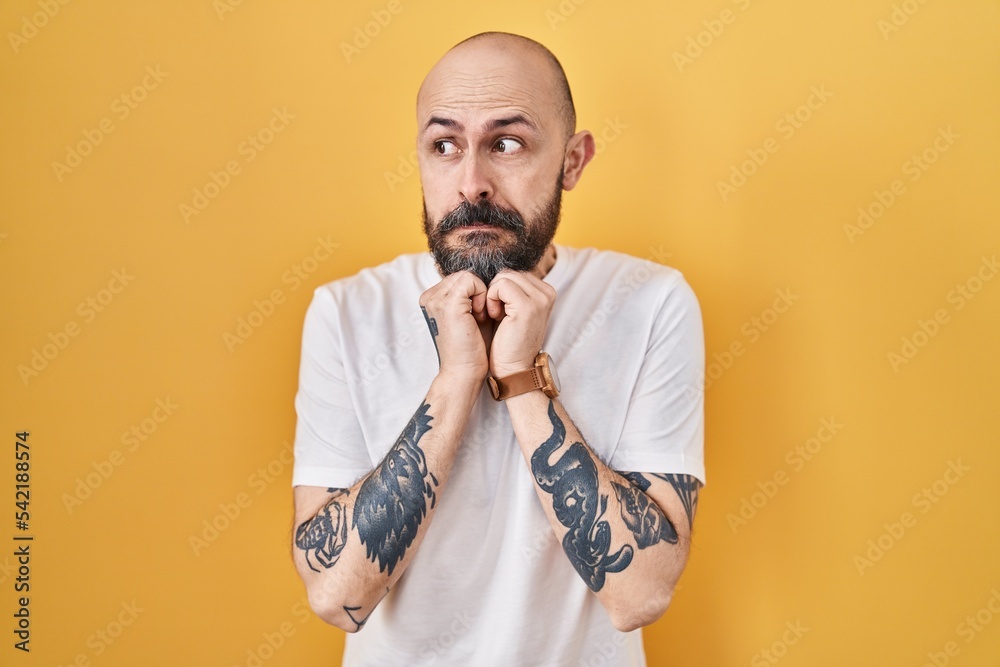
(642, 516)
(326, 533)
(433, 326)
(393, 498)
(573, 483)
(686, 487)
(358, 623)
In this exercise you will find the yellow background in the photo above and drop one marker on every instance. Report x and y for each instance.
(671, 131)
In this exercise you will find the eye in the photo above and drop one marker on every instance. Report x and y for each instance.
(508, 145)
(441, 147)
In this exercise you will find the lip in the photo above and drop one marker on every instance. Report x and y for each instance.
(478, 226)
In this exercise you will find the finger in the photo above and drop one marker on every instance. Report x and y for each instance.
(477, 299)
(425, 297)
(468, 284)
(479, 306)
(504, 292)
(466, 291)
(532, 285)
(494, 304)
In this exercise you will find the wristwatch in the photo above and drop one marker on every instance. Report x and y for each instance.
(542, 376)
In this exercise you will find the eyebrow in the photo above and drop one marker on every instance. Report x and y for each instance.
(495, 124)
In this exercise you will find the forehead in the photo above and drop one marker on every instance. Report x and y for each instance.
(471, 87)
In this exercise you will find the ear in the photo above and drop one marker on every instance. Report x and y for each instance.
(579, 151)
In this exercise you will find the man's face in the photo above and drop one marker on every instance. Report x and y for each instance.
(491, 148)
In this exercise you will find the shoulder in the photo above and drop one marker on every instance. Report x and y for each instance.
(631, 275)
(377, 284)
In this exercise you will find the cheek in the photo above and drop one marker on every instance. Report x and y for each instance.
(437, 186)
(527, 198)
(530, 186)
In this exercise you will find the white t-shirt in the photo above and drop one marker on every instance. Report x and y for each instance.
(490, 583)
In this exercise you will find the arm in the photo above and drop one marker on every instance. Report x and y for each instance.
(351, 545)
(626, 534)
(633, 526)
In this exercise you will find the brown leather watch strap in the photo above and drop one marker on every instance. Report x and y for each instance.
(518, 383)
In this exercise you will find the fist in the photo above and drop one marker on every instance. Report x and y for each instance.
(455, 311)
(521, 303)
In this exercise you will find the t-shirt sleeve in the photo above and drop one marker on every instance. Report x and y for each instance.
(664, 428)
(329, 445)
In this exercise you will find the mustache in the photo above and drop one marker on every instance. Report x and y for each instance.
(483, 212)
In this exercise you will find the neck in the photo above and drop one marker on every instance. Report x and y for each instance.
(546, 263)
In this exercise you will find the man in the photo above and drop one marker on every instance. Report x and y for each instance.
(509, 522)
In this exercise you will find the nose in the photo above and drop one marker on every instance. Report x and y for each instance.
(477, 179)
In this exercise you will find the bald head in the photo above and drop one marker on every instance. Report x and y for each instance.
(510, 64)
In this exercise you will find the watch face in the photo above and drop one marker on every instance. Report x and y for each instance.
(553, 374)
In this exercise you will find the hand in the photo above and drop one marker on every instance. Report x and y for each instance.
(455, 310)
(521, 302)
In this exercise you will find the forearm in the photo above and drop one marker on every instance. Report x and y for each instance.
(631, 566)
(357, 544)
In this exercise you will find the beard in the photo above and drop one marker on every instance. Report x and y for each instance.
(487, 251)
